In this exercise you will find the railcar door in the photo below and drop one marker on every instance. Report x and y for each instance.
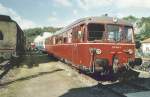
(75, 46)
(78, 37)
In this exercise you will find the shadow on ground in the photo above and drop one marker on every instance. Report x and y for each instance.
(30, 59)
(30, 77)
(33, 58)
(106, 90)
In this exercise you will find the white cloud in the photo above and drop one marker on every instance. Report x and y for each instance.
(91, 4)
(75, 12)
(58, 22)
(54, 13)
(52, 18)
(63, 2)
(24, 23)
(116, 7)
(133, 3)
(137, 8)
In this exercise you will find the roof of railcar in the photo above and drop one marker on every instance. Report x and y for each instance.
(102, 19)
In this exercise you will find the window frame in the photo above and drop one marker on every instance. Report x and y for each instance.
(103, 32)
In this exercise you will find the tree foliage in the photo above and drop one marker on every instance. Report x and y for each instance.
(143, 26)
(131, 19)
(34, 32)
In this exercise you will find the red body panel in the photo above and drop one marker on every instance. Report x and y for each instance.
(93, 42)
(79, 53)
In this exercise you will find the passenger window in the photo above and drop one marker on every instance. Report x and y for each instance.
(1, 35)
(70, 36)
(81, 32)
(75, 34)
(95, 31)
(65, 40)
(54, 41)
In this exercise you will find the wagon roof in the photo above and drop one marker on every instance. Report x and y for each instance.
(100, 19)
(5, 18)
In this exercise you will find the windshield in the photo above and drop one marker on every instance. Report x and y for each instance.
(128, 34)
(95, 31)
(113, 33)
(118, 33)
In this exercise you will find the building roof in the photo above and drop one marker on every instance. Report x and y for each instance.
(146, 40)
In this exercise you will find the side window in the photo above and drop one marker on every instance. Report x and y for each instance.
(1, 35)
(54, 40)
(81, 33)
(75, 34)
(46, 41)
(65, 40)
(69, 35)
(78, 33)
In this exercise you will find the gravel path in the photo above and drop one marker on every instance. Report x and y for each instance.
(46, 80)
(53, 79)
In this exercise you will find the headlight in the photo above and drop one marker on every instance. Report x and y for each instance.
(130, 51)
(98, 51)
(115, 20)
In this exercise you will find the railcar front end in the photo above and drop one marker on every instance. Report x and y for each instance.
(111, 47)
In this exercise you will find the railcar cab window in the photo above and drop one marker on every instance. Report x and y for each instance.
(128, 34)
(1, 35)
(117, 33)
(95, 31)
(114, 33)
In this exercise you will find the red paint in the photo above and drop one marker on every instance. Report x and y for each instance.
(78, 51)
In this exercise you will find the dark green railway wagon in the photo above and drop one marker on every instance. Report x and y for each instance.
(11, 38)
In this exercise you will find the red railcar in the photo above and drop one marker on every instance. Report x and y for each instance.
(95, 44)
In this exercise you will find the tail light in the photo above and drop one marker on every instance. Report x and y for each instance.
(129, 51)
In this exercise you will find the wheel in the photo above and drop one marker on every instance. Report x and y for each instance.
(138, 61)
(101, 65)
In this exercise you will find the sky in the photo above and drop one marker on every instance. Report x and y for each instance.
(59, 13)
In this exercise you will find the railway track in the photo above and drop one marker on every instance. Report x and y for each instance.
(7, 65)
(4, 68)
(121, 89)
